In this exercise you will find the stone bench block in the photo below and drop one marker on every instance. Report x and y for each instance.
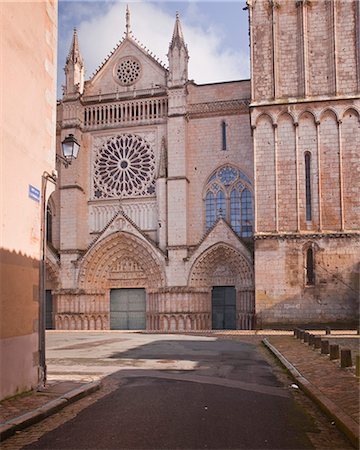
(325, 347)
(334, 351)
(345, 358)
(317, 342)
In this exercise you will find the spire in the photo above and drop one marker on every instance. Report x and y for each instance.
(178, 57)
(74, 68)
(177, 37)
(74, 53)
(127, 20)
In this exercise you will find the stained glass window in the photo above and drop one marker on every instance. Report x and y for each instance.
(235, 211)
(228, 195)
(220, 205)
(124, 167)
(246, 213)
(210, 210)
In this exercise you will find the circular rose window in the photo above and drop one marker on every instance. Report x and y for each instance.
(124, 167)
(128, 71)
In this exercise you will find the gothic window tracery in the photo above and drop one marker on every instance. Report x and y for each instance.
(124, 167)
(228, 195)
(128, 71)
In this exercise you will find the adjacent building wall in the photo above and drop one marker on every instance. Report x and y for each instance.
(27, 78)
(305, 101)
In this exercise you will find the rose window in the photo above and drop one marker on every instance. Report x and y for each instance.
(128, 71)
(124, 167)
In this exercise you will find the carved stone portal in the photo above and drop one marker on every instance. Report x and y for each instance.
(121, 260)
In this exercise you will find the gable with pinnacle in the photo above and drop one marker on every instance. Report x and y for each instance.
(130, 67)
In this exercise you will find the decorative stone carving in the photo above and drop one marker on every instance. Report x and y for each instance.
(101, 269)
(221, 265)
(218, 108)
(124, 167)
(126, 268)
(143, 212)
(128, 71)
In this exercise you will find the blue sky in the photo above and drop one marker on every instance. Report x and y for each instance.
(216, 33)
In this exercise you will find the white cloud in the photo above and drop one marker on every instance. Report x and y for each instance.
(210, 60)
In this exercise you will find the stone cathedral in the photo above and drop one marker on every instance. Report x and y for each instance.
(231, 205)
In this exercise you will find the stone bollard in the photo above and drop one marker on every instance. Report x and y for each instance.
(301, 335)
(357, 365)
(306, 337)
(334, 351)
(327, 330)
(325, 347)
(345, 358)
(317, 342)
(311, 339)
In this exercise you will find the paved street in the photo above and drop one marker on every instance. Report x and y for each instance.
(172, 391)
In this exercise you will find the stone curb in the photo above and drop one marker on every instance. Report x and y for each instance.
(10, 427)
(345, 423)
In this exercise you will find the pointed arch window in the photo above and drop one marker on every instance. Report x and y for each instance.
(228, 195)
(308, 185)
(310, 267)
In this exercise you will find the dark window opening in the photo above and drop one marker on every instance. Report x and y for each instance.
(308, 185)
(48, 225)
(310, 273)
(223, 134)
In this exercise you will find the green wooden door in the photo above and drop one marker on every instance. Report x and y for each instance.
(127, 309)
(224, 308)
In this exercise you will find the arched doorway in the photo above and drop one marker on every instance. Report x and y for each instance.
(121, 269)
(228, 274)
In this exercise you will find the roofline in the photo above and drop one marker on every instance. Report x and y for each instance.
(219, 82)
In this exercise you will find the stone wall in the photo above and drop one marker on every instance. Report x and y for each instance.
(282, 295)
(282, 136)
(303, 48)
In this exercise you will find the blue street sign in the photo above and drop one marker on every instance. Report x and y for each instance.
(34, 193)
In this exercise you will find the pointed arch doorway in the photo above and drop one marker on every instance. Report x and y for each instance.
(228, 274)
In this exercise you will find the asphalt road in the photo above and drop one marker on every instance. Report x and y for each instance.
(211, 394)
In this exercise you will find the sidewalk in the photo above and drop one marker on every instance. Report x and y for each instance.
(24, 410)
(335, 390)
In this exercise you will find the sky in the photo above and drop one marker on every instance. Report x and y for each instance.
(216, 33)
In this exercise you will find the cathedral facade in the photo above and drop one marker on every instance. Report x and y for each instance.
(229, 205)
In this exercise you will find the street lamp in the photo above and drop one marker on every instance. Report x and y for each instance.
(70, 148)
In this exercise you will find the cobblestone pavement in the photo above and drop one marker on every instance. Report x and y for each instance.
(339, 385)
(24, 403)
(336, 383)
